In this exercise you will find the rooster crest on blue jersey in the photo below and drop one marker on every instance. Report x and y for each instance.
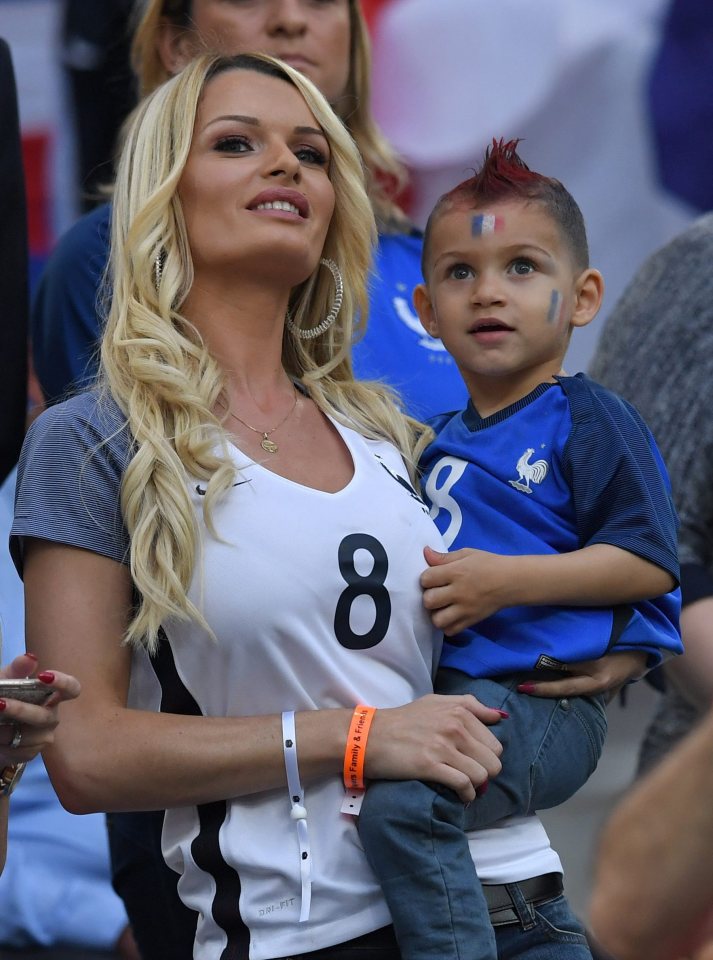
(529, 472)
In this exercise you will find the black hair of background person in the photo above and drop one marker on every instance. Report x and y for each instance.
(95, 54)
(14, 295)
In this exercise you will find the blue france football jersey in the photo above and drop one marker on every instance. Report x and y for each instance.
(567, 466)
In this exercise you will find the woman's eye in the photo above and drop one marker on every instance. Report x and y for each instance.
(311, 155)
(460, 272)
(522, 267)
(232, 144)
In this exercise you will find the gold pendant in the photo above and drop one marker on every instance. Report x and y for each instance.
(267, 445)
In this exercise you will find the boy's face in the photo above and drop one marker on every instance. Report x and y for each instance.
(503, 293)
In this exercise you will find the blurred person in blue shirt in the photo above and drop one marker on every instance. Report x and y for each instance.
(56, 886)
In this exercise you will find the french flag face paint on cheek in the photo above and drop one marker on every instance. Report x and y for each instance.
(486, 223)
(555, 305)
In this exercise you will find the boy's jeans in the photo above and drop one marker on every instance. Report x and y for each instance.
(414, 833)
(548, 932)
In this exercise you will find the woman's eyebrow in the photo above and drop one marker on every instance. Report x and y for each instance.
(253, 121)
(320, 133)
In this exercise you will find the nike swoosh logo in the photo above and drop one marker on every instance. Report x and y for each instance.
(202, 491)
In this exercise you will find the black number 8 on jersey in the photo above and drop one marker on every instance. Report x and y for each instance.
(369, 585)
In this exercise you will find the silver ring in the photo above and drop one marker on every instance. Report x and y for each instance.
(16, 737)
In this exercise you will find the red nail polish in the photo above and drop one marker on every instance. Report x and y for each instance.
(2, 704)
(31, 656)
(503, 714)
(46, 676)
(526, 688)
(482, 789)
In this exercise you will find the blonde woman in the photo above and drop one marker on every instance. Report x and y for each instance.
(329, 43)
(225, 531)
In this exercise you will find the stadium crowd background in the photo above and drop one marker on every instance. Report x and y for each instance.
(605, 95)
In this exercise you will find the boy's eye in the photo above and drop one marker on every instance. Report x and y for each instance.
(522, 267)
(460, 271)
(311, 155)
(233, 144)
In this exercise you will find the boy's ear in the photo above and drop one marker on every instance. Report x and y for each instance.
(176, 46)
(424, 309)
(589, 290)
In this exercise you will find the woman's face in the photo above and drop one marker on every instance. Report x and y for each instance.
(255, 191)
(313, 36)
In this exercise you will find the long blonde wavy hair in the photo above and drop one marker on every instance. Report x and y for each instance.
(385, 174)
(156, 367)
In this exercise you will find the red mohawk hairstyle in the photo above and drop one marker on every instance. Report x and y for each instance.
(504, 176)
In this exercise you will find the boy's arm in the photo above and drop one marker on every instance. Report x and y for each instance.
(466, 586)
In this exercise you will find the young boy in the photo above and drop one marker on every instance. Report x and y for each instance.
(560, 482)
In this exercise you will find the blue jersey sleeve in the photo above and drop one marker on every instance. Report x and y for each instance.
(69, 479)
(622, 496)
(620, 487)
(64, 321)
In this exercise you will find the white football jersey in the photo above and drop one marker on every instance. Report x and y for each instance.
(315, 602)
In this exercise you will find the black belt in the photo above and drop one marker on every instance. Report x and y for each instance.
(502, 913)
(535, 891)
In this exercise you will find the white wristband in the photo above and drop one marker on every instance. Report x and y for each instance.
(298, 811)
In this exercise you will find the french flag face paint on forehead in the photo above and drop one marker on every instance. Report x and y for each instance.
(486, 223)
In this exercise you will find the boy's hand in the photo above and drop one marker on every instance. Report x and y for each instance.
(463, 587)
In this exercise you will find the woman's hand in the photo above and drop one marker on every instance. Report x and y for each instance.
(606, 675)
(436, 738)
(34, 724)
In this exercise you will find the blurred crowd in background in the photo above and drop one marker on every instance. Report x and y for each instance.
(609, 97)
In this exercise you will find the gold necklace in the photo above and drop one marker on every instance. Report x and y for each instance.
(268, 445)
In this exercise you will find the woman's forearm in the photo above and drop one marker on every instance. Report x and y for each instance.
(122, 759)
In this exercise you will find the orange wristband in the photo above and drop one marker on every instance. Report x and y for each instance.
(355, 751)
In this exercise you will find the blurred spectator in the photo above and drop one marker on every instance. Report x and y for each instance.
(95, 54)
(681, 98)
(657, 351)
(56, 886)
(653, 892)
(13, 273)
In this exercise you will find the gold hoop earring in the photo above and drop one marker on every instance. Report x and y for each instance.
(322, 327)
